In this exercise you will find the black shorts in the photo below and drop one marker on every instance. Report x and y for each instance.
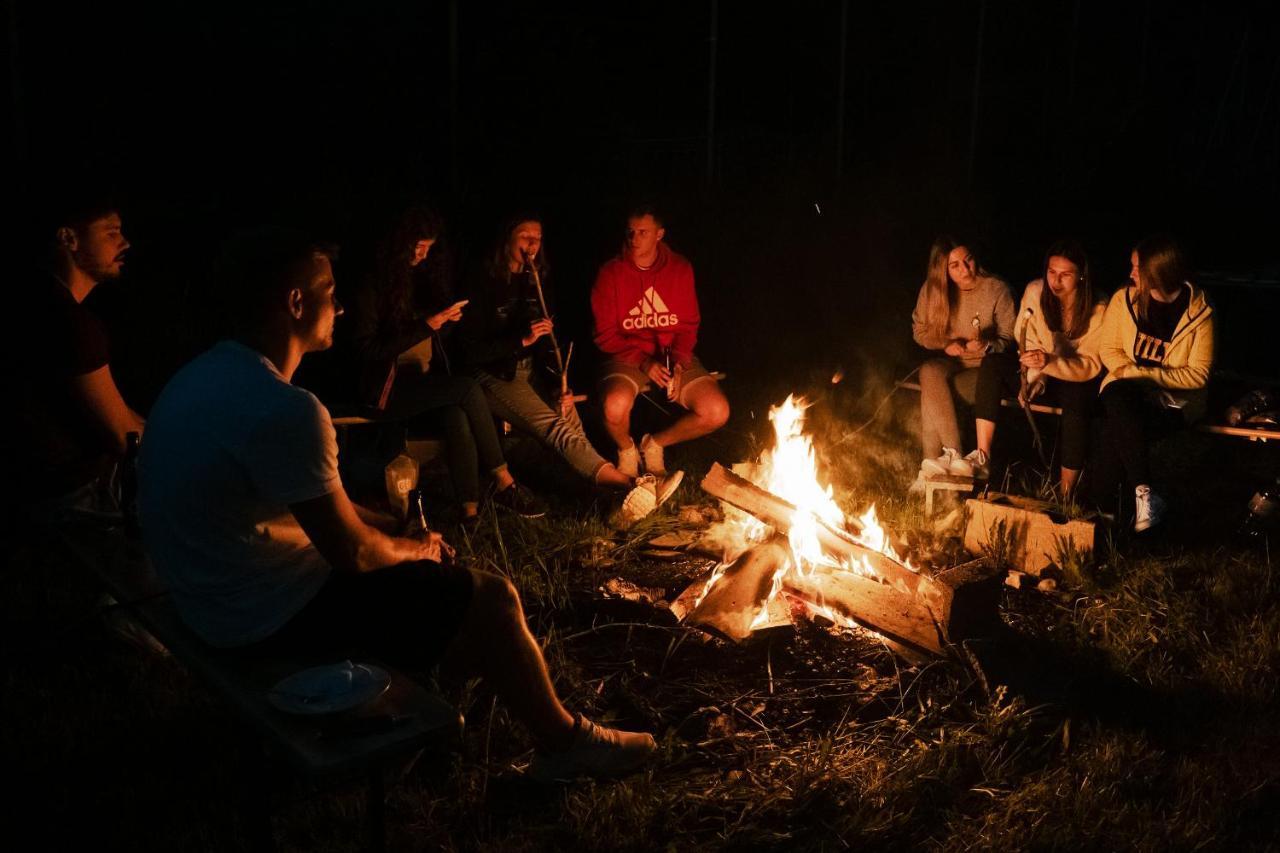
(405, 615)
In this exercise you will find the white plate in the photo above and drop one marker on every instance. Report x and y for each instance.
(330, 688)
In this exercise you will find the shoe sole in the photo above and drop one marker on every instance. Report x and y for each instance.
(669, 486)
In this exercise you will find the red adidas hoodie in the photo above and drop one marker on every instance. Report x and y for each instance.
(638, 312)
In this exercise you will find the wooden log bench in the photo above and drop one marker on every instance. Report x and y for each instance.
(368, 742)
(1262, 434)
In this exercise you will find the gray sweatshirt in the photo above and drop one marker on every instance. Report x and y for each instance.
(989, 301)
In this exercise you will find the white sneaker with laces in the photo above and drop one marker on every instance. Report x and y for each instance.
(653, 461)
(648, 494)
(972, 465)
(629, 461)
(1151, 509)
(597, 752)
(940, 467)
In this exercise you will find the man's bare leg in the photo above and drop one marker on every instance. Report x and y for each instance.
(708, 411)
(495, 643)
(619, 397)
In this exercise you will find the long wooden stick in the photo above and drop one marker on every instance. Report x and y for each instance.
(1024, 399)
(561, 365)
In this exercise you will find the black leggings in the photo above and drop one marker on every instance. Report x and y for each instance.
(999, 377)
(1134, 418)
(456, 407)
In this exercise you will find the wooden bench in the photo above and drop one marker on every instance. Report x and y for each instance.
(371, 740)
(1253, 434)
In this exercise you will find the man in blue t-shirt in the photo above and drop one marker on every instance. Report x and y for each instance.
(246, 518)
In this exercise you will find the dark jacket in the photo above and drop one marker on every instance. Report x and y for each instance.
(497, 319)
(382, 334)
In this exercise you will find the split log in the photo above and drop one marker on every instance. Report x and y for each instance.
(737, 596)
(1029, 534)
(853, 597)
(778, 513)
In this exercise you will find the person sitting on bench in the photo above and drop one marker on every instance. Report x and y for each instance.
(247, 521)
(1057, 330)
(646, 324)
(71, 418)
(962, 313)
(1157, 346)
(405, 308)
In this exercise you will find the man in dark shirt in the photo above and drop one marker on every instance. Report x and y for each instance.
(71, 417)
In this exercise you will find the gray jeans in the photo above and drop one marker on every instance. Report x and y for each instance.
(941, 381)
(538, 414)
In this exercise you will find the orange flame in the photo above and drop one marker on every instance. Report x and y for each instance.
(789, 470)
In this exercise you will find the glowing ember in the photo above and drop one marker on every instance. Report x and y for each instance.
(789, 470)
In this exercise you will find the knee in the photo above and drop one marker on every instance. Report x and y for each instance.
(617, 405)
(934, 373)
(453, 419)
(496, 597)
(714, 411)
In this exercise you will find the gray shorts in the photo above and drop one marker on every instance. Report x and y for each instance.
(693, 373)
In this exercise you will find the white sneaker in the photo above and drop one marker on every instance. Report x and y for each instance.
(647, 495)
(1151, 509)
(629, 461)
(597, 752)
(940, 467)
(653, 461)
(973, 465)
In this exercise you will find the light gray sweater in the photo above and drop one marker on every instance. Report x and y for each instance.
(989, 301)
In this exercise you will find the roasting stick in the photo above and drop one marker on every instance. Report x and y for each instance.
(1024, 392)
(562, 362)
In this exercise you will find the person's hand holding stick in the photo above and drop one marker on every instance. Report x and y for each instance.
(561, 366)
(1025, 391)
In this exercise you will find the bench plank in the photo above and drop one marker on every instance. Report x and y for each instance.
(1251, 433)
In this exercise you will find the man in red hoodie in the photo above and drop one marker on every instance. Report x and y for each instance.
(646, 323)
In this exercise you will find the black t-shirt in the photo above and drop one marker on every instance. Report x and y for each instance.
(1156, 331)
(54, 339)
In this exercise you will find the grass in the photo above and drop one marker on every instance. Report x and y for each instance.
(1136, 713)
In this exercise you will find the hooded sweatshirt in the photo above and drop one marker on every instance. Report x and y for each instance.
(1185, 360)
(638, 312)
(1074, 359)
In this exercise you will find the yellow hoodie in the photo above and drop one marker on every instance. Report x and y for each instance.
(1187, 360)
(1073, 359)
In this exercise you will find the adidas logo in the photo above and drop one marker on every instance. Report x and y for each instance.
(651, 313)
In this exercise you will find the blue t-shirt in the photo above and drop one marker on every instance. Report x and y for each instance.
(230, 445)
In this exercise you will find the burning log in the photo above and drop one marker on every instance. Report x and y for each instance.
(917, 610)
(777, 513)
(738, 595)
(847, 597)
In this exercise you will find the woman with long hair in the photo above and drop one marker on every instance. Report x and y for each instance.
(1057, 332)
(405, 309)
(1157, 346)
(507, 344)
(962, 313)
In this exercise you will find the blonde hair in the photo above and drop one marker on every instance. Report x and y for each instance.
(939, 290)
(1161, 266)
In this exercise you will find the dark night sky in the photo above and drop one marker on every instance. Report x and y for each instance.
(1104, 119)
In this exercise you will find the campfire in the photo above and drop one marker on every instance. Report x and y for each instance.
(789, 551)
